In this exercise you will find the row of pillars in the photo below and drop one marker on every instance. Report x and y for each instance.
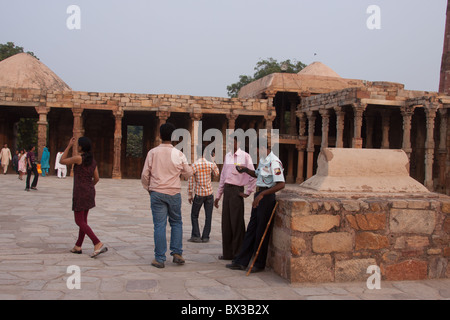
(306, 142)
(357, 142)
(161, 116)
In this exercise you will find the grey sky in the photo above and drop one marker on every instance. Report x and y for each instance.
(198, 47)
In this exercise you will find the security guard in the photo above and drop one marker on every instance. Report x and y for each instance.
(270, 179)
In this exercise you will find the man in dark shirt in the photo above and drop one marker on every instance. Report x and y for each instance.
(31, 168)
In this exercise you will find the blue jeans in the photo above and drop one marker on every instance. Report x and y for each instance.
(165, 207)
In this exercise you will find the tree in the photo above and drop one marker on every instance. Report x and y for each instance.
(9, 49)
(27, 133)
(262, 69)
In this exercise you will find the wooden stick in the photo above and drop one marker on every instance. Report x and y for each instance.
(262, 239)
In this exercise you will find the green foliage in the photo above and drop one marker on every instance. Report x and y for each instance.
(262, 69)
(27, 133)
(134, 141)
(9, 49)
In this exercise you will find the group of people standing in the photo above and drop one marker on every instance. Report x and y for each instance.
(161, 178)
(25, 162)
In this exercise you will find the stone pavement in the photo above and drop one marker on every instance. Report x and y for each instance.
(37, 231)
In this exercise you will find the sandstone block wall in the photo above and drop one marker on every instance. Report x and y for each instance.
(335, 239)
(132, 101)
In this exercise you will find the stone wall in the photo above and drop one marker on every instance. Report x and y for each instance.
(132, 101)
(335, 238)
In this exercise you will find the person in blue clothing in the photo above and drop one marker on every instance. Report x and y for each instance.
(45, 161)
(270, 179)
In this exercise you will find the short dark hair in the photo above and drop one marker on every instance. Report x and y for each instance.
(166, 130)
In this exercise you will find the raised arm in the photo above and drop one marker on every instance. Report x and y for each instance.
(72, 160)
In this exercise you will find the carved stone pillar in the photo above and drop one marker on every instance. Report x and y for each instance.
(42, 128)
(116, 172)
(442, 149)
(269, 126)
(385, 125)
(231, 117)
(77, 127)
(430, 111)
(270, 96)
(340, 114)
(370, 118)
(77, 130)
(358, 110)
(310, 146)
(301, 147)
(161, 118)
(293, 117)
(196, 133)
(407, 113)
(290, 173)
(325, 127)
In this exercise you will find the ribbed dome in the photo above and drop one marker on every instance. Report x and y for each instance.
(25, 71)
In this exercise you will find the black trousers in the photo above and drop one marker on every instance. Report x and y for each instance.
(233, 224)
(208, 203)
(36, 176)
(259, 219)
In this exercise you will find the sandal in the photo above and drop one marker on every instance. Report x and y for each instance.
(103, 249)
(76, 251)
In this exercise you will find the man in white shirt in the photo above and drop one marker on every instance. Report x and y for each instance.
(5, 157)
(60, 168)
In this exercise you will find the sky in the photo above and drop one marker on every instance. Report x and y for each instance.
(198, 47)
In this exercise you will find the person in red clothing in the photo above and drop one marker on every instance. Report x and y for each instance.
(85, 178)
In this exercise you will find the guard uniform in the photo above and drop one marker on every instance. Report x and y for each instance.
(269, 172)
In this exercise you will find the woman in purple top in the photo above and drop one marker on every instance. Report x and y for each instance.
(85, 178)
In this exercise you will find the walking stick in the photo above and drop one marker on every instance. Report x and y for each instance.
(262, 239)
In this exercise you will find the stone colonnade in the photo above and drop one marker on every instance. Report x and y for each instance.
(363, 109)
(117, 110)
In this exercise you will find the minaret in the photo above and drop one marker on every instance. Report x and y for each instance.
(444, 84)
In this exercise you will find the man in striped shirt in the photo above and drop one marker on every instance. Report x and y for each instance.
(200, 186)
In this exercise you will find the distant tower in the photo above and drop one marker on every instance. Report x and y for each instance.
(444, 84)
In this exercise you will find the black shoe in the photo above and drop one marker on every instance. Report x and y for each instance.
(224, 258)
(205, 240)
(195, 239)
(27, 189)
(256, 269)
(235, 266)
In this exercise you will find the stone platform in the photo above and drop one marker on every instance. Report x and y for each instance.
(334, 237)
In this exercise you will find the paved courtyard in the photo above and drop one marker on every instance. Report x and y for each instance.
(37, 230)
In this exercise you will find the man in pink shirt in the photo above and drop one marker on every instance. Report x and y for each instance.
(231, 185)
(161, 178)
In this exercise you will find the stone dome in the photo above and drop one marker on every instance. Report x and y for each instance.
(26, 72)
(318, 69)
